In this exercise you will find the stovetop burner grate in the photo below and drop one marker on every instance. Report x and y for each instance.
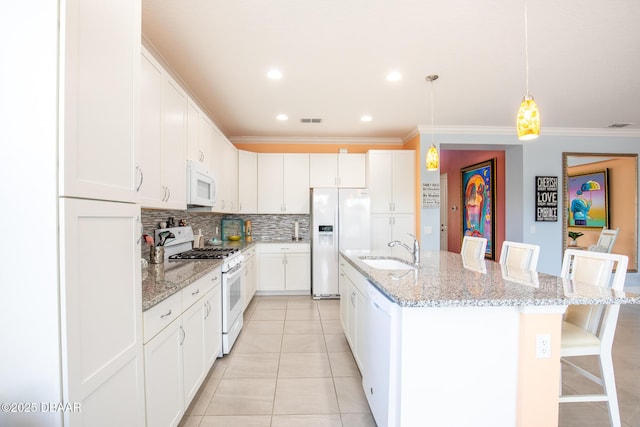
(204, 253)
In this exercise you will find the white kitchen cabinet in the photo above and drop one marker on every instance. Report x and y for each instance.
(341, 170)
(164, 377)
(247, 182)
(99, 71)
(250, 275)
(209, 143)
(183, 337)
(353, 308)
(228, 184)
(386, 228)
(283, 183)
(391, 181)
(199, 136)
(284, 268)
(101, 319)
(163, 137)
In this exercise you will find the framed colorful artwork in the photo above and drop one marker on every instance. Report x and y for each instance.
(588, 199)
(478, 195)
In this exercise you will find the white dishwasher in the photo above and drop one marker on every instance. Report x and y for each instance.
(379, 377)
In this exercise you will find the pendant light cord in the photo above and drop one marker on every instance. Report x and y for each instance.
(432, 126)
(526, 45)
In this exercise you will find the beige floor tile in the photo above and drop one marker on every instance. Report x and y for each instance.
(303, 314)
(343, 365)
(264, 327)
(305, 396)
(219, 366)
(259, 365)
(303, 343)
(330, 311)
(304, 365)
(358, 420)
(203, 397)
(266, 314)
(236, 421)
(336, 343)
(272, 303)
(243, 397)
(302, 327)
(316, 420)
(190, 421)
(258, 343)
(332, 326)
(299, 302)
(351, 398)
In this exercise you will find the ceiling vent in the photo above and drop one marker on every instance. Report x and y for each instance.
(619, 125)
(310, 120)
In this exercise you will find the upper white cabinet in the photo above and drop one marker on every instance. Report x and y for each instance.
(337, 170)
(100, 62)
(283, 183)
(228, 183)
(391, 181)
(247, 182)
(163, 120)
(199, 136)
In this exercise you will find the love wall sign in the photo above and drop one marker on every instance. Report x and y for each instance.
(546, 198)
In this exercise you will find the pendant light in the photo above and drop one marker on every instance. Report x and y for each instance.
(528, 120)
(433, 159)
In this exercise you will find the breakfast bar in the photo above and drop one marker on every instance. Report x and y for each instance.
(453, 342)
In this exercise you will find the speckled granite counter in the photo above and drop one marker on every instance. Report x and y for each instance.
(160, 281)
(443, 281)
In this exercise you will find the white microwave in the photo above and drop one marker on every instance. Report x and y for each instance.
(201, 186)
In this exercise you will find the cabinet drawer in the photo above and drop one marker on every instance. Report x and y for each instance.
(161, 315)
(199, 288)
(284, 247)
(249, 252)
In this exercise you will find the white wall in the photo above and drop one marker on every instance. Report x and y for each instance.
(525, 161)
(30, 350)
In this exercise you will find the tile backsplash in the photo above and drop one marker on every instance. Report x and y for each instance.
(264, 227)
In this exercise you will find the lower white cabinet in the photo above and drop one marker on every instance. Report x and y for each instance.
(352, 309)
(183, 337)
(250, 276)
(284, 268)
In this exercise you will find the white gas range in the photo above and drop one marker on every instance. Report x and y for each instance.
(179, 248)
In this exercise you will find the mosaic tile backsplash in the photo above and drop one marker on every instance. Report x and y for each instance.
(264, 227)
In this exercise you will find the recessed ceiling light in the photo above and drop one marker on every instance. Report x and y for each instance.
(394, 76)
(282, 117)
(274, 74)
(366, 118)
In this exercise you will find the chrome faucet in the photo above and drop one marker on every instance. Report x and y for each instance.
(415, 251)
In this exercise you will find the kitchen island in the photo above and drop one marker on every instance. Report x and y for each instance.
(454, 344)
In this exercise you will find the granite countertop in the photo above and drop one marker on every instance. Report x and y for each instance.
(160, 281)
(443, 280)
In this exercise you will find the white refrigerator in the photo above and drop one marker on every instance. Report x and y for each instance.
(340, 219)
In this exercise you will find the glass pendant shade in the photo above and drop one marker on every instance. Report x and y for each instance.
(433, 160)
(528, 122)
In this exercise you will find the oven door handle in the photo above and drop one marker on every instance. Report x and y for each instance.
(234, 272)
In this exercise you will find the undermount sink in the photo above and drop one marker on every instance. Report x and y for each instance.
(386, 264)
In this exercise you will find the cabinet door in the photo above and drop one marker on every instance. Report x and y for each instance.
(213, 326)
(404, 181)
(343, 285)
(270, 177)
(361, 327)
(99, 84)
(298, 272)
(174, 145)
(207, 142)
(249, 282)
(193, 354)
(193, 119)
(247, 182)
(164, 377)
(351, 309)
(351, 170)
(402, 225)
(102, 316)
(323, 170)
(151, 81)
(380, 181)
(381, 225)
(296, 183)
(271, 272)
(229, 184)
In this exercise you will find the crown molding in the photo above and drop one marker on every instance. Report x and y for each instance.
(314, 140)
(505, 130)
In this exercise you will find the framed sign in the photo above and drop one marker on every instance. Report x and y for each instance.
(430, 195)
(588, 199)
(478, 202)
(547, 198)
